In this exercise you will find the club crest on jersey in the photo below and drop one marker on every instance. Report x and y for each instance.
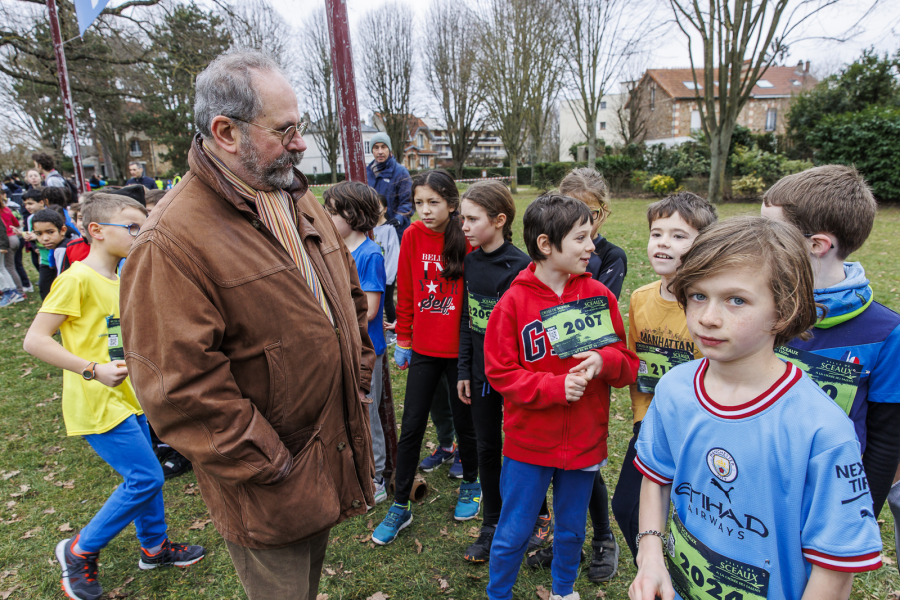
(722, 464)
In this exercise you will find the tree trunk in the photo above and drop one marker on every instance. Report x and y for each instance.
(718, 149)
(591, 126)
(458, 167)
(513, 173)
(334, 173)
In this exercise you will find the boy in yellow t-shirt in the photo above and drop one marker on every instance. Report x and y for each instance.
(657, 331)
(98, 400)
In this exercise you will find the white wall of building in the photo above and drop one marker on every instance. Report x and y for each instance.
(315, 162)
(570, 132)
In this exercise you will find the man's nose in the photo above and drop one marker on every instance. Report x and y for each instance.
(298, 144)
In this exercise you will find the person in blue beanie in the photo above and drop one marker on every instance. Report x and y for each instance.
(390, 179)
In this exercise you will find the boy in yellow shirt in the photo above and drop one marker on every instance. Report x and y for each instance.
(657, 331)
(98, 400)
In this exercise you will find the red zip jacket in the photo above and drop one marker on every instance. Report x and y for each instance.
(541, 427)
(426, 298)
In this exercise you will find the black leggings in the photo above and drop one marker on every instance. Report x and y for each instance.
(46, 276)
(626, 501)
(20, 269)
(487, 416)
(390, 313)
(424, 376)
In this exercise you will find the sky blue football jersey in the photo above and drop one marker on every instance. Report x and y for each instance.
(761, 491)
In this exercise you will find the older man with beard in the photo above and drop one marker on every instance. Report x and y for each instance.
(245, 334)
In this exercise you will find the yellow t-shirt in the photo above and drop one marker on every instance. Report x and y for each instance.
(658, 334)
(91, 332)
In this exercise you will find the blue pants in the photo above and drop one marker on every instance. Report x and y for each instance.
(523, 487)
(126, 448)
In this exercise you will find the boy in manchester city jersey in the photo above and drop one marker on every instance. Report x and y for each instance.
(764, 472)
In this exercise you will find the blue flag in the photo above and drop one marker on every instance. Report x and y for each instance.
(87, 11)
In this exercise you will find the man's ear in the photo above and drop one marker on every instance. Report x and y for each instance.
(544, 245)
(225, 134)
(820, 244)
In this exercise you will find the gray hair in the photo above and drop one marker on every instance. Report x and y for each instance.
(225, 87)
(137, 164)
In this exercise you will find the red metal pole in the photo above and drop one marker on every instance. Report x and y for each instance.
(345, 90)
(63, 74)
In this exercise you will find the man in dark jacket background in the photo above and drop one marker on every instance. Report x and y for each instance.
(245, 334)
(391, 180)
(137, 176)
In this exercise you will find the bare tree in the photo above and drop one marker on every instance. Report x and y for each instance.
(603, 35)
(387, 59)
(316, 83)
(256, 24)
(631, 117)
(550, 143)
(548, 76)
(740, 40)
(509, 29)
(451, 53)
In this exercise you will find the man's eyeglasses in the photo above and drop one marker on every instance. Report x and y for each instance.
(134, 229)
(286, 135)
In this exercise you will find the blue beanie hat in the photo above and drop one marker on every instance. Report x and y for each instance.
(382, 138)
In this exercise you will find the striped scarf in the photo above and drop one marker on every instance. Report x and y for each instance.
(277, 211)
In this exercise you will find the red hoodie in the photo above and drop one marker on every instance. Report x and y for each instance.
(541, 427)
(425, 298)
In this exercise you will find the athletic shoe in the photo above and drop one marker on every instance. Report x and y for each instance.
(544, 558)
(390, 338)
(456, 470)
(16, 297)
(605, 560)
(175, 464)
(79, 572)
(541, 533)
(179, 555)
(396, 519)
(380, 491)
(480, 551)
(572, 596)
(6, 298)
(469, 502)
(437, 458)
(28, 289)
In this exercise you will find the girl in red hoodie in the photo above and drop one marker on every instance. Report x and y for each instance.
(429, 304)
(556, 410)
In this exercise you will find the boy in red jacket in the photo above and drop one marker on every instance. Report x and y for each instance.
(554, 345)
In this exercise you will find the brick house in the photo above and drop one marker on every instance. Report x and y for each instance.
(669, 105)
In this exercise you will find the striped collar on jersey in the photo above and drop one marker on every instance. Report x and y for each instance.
(277, 211)
(791, 375)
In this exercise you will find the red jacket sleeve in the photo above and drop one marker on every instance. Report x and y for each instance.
(620, 364)
(405, 289)
(504, 371)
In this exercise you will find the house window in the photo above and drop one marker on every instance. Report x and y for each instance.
(368, 151)
(765, 83)
(421, 143)
(602, 125)
(695, 121)
(136, 148)
(603, 105)
(653, 97)
(771, 118)
(692, 86)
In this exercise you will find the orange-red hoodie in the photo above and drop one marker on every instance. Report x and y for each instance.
(541, 426)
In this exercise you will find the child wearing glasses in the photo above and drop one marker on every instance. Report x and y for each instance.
(99, 403)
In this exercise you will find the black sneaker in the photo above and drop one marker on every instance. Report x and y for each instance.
(542, 528)
(79, 572)
(544, 558)
(605, 560)
(175, 464)
(480, 551)
(180, 555)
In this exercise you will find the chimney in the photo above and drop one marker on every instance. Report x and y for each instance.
(806, 70)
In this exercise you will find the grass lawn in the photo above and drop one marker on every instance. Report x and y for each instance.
(51, 484)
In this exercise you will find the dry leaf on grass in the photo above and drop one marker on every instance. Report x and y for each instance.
(542, 593)
(443, 583)
(321, 596)
(473, 532)
(26, 372)
(8, 573)
(886, 560)
(118, 593)
(200, 524)
(49, 476)
(4, 594)
(10, 504)
(31, 533)
(601, 594)
(444, 532)
(618, 417)
(418, 547)
(190, 490)
(65, 527)
(69, 485)
(11, 474)
(49, 511)
(378, 596)
(330, 572)
(370, 525)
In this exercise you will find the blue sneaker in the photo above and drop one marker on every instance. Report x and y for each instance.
(396, 519)
(437, 458)
(469, 502)
(6, 298)
(456, 471)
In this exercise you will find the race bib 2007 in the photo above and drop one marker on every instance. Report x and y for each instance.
(837, 378)
(114, 339)
(699, 573)
(480, 308)
(656, 362)
(579, 326)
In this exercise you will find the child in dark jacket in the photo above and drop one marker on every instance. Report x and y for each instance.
(555, 343)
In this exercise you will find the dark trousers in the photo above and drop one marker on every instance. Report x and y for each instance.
(36, 260)
(390, 313)
(487, 416)
(46, 277)
(442, 414)
(289, 573)
(626, 500)
(424, 376)
(23, 275)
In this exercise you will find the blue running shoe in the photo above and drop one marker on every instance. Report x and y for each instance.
(396, 519)
(437, 458)
(469, 502)
(456, 470)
